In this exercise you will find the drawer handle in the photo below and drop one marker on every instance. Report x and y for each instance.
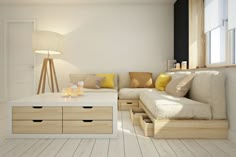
(87, 107)
(37, 107)
(87, 121)
(129, 103)
(37, 121)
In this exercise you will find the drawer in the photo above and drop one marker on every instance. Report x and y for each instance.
(87, 112)
(135, 114)
(126, 105)
(37, 127)
(147, 125)
(87, 127)
(36, 113)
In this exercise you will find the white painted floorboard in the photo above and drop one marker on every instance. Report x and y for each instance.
(116, 146)
(69, 148)
(37, 148)
(132, 147)
(85, 148)
(53, 148)
(163, 148)
(195, 148)
(212, 148)
(130, 142)
(180, 149)
(146, 145)
(100, 148)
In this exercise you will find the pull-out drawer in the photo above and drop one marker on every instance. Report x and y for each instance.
(135, 114)
(36, 112)
(87, 112)
(37, 127)
(147, 125)
(126, 105)
(87, 127)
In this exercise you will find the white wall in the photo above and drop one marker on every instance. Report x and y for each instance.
(231, 100)
(1, 64)
(105, 37)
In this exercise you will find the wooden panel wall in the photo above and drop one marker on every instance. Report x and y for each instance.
(197, 50)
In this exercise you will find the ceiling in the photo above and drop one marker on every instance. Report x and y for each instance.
(25, 2)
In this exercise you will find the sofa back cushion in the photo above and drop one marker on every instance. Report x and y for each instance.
(141, 80)
(180, 86)
(209, 87)
(74, 78)
(124, 79)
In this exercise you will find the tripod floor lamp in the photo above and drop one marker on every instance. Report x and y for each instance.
(49, 43)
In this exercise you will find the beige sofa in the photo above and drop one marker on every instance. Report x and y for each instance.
(201, 115)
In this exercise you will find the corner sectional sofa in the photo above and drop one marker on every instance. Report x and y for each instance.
(202, 114)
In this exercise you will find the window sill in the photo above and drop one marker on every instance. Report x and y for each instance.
(205, 68)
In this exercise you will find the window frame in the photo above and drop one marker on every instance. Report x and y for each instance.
(234, 46)
(224, 41)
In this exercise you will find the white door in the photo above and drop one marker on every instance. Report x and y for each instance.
(20, 63)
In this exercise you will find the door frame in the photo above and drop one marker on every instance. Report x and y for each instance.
(5, 51)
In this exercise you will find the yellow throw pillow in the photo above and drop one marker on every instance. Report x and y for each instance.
(108, 82)
(162, 81)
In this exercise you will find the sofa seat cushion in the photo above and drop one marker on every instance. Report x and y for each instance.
(99, 90)
(132, 93)
(164, 106)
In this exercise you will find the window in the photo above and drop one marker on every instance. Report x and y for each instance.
(217, 49)
(216, 26)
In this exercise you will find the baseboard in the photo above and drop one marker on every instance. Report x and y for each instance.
(232, 136)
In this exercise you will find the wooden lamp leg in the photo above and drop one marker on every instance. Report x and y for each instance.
(53, 77)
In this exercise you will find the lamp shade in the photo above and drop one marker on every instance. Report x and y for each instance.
(47, 42)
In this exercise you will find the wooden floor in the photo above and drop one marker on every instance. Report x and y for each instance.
(130, 143)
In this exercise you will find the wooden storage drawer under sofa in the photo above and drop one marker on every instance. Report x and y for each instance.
(126, 105)
(135, 114)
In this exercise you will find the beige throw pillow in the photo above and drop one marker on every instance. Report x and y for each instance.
(141, 80)
(93, 82)
(180, 86)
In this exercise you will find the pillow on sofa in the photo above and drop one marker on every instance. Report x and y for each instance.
(162, 81)
(108, 81)
(75, 78)
(141, 80)
(180, 86)
(93, 82)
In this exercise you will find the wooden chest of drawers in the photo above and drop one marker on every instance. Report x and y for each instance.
(62, 120)
(50, 115)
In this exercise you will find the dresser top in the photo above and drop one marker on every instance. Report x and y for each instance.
(57, 99)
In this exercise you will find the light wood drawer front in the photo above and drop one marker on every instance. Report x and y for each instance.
(87, 127)
(135, 114)
(126, 105)
(37, 127)
(147, 125)
(85, 113)
(36, 113)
